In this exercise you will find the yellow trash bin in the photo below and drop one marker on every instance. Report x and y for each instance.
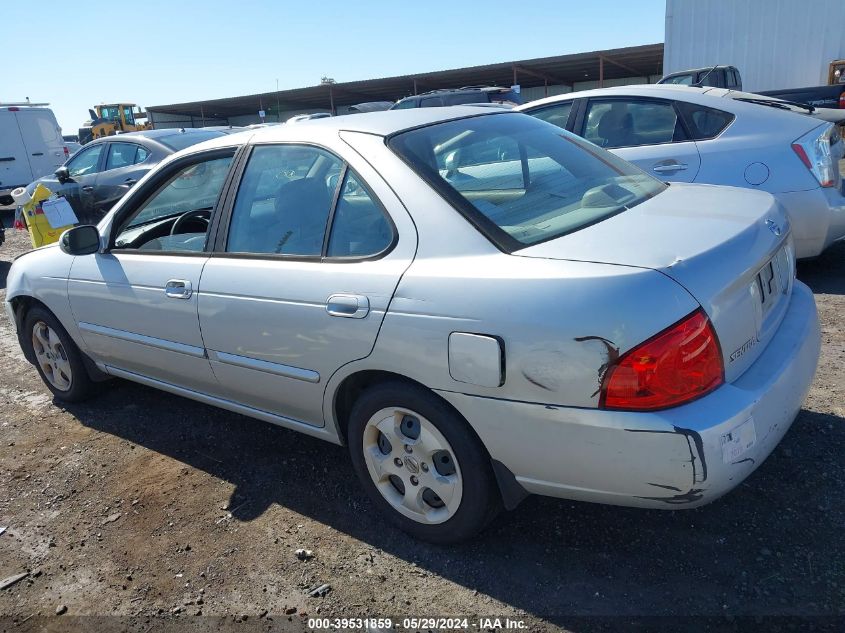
(40, 230)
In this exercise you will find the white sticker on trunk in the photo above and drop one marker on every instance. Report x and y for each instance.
(738, 441)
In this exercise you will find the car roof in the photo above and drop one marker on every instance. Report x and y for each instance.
(152, 139)
(706, 96)
(383, 123)
(164, 133)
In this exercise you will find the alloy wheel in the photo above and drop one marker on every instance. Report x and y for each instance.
(51, 356)
(412, 465)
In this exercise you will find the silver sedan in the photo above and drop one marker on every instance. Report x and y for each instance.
(479, 305)
(720, 137)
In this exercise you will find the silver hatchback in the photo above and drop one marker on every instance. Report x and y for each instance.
(480, 305)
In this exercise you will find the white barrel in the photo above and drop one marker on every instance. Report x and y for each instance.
(20, 196)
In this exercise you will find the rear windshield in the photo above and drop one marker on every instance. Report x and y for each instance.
(521, 180)
(182, 140)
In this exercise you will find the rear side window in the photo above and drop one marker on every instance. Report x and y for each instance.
(124, 155)
(286, 202)
(359, 226)
(431, 102)
(465, 97)
(703, 122)
(732, 80)
(557, 114)
(620, 123)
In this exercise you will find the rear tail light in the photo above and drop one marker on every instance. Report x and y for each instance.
(814, 151)
(67, 152)
(682, 363)
(842, 100)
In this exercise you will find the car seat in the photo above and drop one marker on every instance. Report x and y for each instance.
(616, 127)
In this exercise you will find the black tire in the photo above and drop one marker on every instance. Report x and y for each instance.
(480, 500)
(81, 386)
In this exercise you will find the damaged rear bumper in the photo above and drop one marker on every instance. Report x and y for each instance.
(677, 458)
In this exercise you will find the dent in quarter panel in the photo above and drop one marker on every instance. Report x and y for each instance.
(561, 322)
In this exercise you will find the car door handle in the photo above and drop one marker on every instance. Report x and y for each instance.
(38, 153)
(178, 289)
(130, 181)
(7, 159)
(664, 167)
(349, 306)
(88, 189)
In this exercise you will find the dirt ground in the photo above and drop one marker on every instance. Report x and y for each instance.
(169, 513)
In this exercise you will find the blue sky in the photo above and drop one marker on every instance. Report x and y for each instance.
(167, 52)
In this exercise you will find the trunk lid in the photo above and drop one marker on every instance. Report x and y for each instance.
(727, 246)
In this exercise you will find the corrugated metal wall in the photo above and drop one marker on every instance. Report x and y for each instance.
(774, 43)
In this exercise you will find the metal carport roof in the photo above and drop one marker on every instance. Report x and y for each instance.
(544, 71)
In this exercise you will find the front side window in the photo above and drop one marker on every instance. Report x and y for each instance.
(85, 162)
(176, 217)
(619, 123)
(283, 201)
(557, 114)
(110, 113)
(535, 183)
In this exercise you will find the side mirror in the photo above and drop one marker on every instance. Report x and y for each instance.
(80, 240)
(62, 174)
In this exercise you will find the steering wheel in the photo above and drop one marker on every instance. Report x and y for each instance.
(203, 215)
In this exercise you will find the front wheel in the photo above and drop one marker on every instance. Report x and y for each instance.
(57, 358)
(421, 464)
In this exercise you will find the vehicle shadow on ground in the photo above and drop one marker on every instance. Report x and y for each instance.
(825, 273)
(769, 547)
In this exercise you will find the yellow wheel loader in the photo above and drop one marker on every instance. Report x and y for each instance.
(113, 118)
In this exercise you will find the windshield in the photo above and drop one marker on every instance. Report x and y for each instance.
(182, 140)
(521, 180)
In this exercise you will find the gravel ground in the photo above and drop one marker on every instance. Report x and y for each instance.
(157, 509)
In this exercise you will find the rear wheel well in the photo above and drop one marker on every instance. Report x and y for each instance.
(352, 386)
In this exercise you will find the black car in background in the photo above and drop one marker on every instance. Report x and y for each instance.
(460, 96)
(99, 174)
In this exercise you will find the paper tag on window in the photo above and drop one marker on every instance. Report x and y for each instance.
(58, 212)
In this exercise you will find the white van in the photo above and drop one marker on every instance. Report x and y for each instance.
(31, 146)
